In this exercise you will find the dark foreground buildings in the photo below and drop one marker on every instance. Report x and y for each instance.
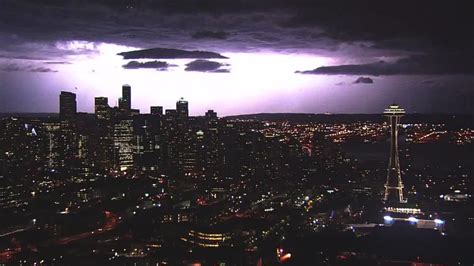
(120, 187)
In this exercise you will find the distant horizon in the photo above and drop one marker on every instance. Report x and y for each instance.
(249, 114)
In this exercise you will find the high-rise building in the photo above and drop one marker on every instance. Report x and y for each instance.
(123, 143)
(147, 140)
(171, 113)
(182, 108)
(210, 114)
(67, 105)
(212, 120)
(156, 110)
(102, 108)
(394, 184)
(125, 103)
(61, 142)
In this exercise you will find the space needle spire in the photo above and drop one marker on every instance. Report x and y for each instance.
(394, 185)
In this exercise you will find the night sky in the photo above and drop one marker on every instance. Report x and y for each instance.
(268, 56)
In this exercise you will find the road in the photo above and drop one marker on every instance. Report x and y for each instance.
(110, 224)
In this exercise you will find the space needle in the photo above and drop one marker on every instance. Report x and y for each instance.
(394, 185)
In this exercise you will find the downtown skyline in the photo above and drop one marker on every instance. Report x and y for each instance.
(236, 132)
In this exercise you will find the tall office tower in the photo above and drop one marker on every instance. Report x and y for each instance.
(394, 184)
(182, 108)
(156, 110)
(123, 143)
(62, 145)
(212, 121)
(170, 113)
(125, 103)
(102, 108)
(210, 114)
(147, 140)
(187, 152)
(67, 105)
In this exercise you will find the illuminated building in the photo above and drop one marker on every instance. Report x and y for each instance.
(102, 107)
(207, 239)
(170, 112)
(67, 105)
(123, 143)
(170, 137)
(187, 151)
(182, 108)
(61, 142)
(436, 224)
(156, 110)
(147, 141)
(125, 102)
(394, 184)
(178, 216)
(11, 193)
(212, 120)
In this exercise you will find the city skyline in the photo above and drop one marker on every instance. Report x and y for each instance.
(296, 57)
(236, 132)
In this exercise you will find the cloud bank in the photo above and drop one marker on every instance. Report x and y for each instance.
(450, 64)
(363, 80)
(147, 64)
(166, 53)
(206, 66)
(12, 67)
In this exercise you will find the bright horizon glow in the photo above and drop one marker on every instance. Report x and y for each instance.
(261, 81)
(253, 77)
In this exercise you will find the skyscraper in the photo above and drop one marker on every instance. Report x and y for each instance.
(394, 185)
(102, 107)
(67, 105)
(210, 114)
(182, 108)
(156, 110)
(147, 140)
(125, 103)
(123, 143)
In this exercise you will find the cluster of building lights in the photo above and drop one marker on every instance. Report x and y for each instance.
(411, 219)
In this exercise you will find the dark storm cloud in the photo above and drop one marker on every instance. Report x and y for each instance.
(221, 71)
(430, 82)
(148, 64)
(393, 24)
(360, 30)
(207, 34)
(58, 63)
(12, 67)
(363, 80)
(42, 70)
(414, 65)
(166, 53)
(206, 66)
